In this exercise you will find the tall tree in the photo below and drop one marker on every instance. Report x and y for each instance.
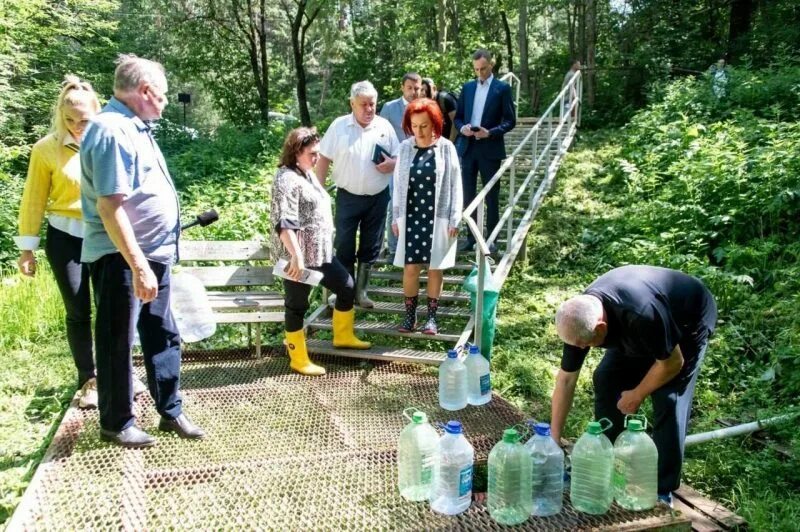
(301, 14)
(741, 16)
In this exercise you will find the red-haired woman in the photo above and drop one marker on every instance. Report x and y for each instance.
(426, 208)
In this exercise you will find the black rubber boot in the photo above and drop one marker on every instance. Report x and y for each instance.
(362, 281)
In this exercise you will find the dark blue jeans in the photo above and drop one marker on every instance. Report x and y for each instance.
(364, 215)
(118, 312)
(470, 166)
(72, 277)
(672, 405)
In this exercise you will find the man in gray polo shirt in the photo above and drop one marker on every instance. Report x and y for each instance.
(131, 218)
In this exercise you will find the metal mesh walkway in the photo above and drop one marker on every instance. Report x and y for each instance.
(283, 452)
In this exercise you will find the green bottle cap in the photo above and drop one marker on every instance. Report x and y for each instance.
(594, 427)
(510, 436)
(635, 425)
(419, 417)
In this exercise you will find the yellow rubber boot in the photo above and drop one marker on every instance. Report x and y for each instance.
(298, 354)
(343, 335)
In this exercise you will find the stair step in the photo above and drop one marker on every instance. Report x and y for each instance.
(400, 308)
(387, 329)
(397, 292)
(377, 352)
(397, 275)
(465, 266)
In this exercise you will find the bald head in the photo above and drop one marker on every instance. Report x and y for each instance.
(580, 321)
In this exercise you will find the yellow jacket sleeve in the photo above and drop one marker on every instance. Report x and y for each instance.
(37, 190)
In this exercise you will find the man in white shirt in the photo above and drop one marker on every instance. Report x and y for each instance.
(485, 113)
(350, 143)
(393, 111)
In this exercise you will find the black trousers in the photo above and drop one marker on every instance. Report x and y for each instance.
(118, 312)
(364, 215)
(72, 277)
(470, 166)
(334, 277)
(672, 405)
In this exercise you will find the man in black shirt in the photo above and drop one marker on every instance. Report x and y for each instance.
(654, 324)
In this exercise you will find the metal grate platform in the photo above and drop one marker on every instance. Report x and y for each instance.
(283, 452)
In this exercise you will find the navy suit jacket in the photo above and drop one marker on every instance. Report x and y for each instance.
(499, 117)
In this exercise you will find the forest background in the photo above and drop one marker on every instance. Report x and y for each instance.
(663, 173)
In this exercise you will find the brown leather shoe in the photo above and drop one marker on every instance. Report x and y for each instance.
(133, 437)
(182, 427)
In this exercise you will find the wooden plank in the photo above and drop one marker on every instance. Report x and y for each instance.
(191, 250)
(673, 522)
(713, 509)
(244, 300)
(231, 275)
(248, 317)
(700, 521)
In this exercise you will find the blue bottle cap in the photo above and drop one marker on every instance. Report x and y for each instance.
(453, 427)
(452, 353)
(474, 350)
(542, 429)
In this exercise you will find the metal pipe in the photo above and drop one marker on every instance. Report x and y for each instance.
(737, 430)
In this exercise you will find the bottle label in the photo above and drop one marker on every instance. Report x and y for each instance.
(465, 481)
(486, 384)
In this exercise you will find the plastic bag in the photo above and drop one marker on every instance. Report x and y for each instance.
(490, 297)
(191, 308)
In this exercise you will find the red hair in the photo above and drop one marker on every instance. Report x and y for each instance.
(424, 105)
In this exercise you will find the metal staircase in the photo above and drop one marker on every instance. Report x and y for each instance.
(536, 149)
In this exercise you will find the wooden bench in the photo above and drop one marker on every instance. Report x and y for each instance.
(237, 292)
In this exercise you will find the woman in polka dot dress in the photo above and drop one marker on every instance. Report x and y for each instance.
(426, 208)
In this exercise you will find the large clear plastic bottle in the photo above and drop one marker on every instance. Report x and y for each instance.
(479, 389)
(548, 471)
(452, 474)
(510, 471)
(452, 382)
(416, 454)
(592, 459)
(635, 467)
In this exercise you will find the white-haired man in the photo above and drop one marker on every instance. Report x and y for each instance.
(654, 324)
(363, 184)
(131, 227)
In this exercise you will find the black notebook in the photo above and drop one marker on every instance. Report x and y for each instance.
(379, 153)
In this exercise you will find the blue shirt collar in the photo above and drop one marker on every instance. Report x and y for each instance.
(124, 110)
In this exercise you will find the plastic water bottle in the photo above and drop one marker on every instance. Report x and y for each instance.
(510, 471)
(548, 471)
(635, 467)
(416, 454)
(452, 382)
(452, 474)
(591, 490)
(480, 384)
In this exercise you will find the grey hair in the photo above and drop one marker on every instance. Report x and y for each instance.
(363, 88)
(132, 71)
(482, 53)
(578, 316)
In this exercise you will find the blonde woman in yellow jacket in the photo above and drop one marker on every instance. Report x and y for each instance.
(52, 189)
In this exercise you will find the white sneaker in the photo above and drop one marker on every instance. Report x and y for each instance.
(138, 387)
(88, 394)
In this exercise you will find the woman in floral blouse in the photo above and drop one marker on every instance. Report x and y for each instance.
(303, 234)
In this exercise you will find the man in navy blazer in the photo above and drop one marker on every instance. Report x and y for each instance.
(485, 113)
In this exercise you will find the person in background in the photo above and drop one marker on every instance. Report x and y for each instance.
(426, 208)
(485, 113)
(571, 94)
(654, 324)
(362, 185)
(52, 189)
(447, 105)
(303, 233)
(719, 78)
(131, 229)
(393, 112)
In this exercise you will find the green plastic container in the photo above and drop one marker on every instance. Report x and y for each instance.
(635, 466)
(510, 480)
(591, 489)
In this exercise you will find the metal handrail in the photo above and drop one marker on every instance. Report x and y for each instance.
(569, 117)
(514, 80)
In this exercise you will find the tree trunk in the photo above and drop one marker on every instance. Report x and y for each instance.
(509, 47)
(591, 42)
(522, 37)
(299, 28)
(441, 25)
(456, 31)
(571, 19)
(740, 20)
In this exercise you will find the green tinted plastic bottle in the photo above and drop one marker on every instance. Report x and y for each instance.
(416, 454)
(510, 479)
(635, 467)
(592, 459)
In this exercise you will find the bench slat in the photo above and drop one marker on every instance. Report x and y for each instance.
(244, 300)
(223, 250)
(247, 317)
(231, 275)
